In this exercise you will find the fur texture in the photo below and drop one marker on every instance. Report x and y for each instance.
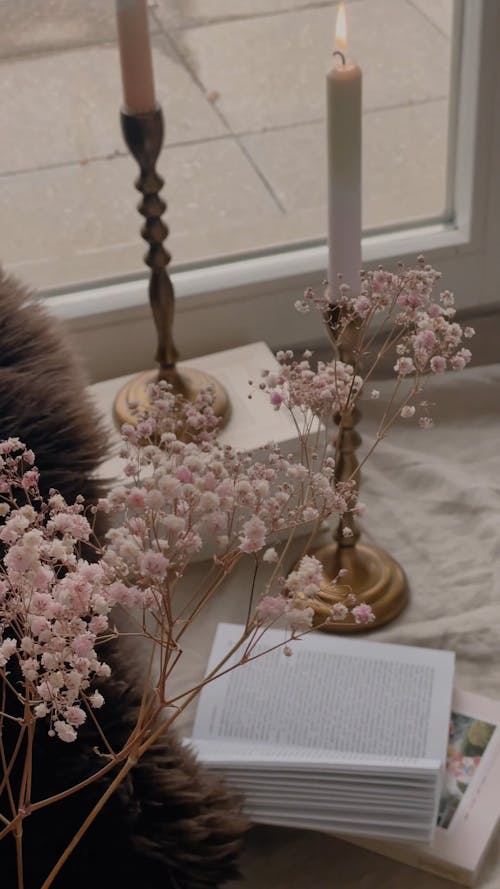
(170, 825)
(42, 395)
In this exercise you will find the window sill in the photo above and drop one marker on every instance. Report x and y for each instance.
(228, 305)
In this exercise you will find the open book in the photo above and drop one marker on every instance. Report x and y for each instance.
(346, 735)
(469, 809)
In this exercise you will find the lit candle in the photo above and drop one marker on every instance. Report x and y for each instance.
(343, 83)
(135, 56)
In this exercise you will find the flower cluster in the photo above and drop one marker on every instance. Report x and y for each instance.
(412, 324)
(296, 603)
(171, 415)
(328, 390)
(179, 494)
(53, 604)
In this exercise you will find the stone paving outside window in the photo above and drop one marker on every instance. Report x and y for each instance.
(241, 83)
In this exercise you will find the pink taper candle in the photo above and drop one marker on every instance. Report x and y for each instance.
(135, 56)
(344, 166)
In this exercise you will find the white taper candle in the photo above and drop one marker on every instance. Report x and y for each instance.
(344, 170)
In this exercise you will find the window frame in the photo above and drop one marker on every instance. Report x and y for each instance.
(239, 301)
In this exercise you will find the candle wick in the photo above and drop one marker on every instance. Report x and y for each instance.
(341, 54)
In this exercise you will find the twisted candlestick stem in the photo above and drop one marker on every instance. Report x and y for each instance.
(373, 575)
(347, 464)
(348, 438)
(143, 134)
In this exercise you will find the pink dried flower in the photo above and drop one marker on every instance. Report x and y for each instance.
(339, 611)
(363, 613)
(309, 514)
(407, 411)
(64, 731)
(307, 577)
(404, 366)
(302, 306)
(362, 305)
(276, 399)
(426, 422)
(299, 619)
(96, 700)
(438, 364)
(322, 392)
(7, 648)
(271, 607)
(75, 716)
(253, 536)
(82, 645)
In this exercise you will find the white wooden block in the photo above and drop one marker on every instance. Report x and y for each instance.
(253, 423)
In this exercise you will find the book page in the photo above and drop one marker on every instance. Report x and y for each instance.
(356, 698)
(258, 756)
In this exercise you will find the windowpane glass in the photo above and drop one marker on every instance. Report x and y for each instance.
(242, 86)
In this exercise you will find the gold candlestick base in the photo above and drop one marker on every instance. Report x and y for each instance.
(189, 382)
(374, 577)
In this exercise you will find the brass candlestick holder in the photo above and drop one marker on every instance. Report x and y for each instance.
(373, 575)
(143, 134)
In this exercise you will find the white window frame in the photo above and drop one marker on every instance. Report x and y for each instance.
(240, 301)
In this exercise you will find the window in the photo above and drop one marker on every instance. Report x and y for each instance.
(244, 165)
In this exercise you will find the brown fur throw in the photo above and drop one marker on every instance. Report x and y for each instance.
(42, 395)
(170, 825)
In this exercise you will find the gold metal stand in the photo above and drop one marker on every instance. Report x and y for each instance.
(189, 382)
(143, 134)
(373, 575)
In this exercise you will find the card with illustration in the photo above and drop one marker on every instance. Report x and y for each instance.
(468, 741)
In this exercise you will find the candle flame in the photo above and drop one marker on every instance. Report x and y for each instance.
(341, 28)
